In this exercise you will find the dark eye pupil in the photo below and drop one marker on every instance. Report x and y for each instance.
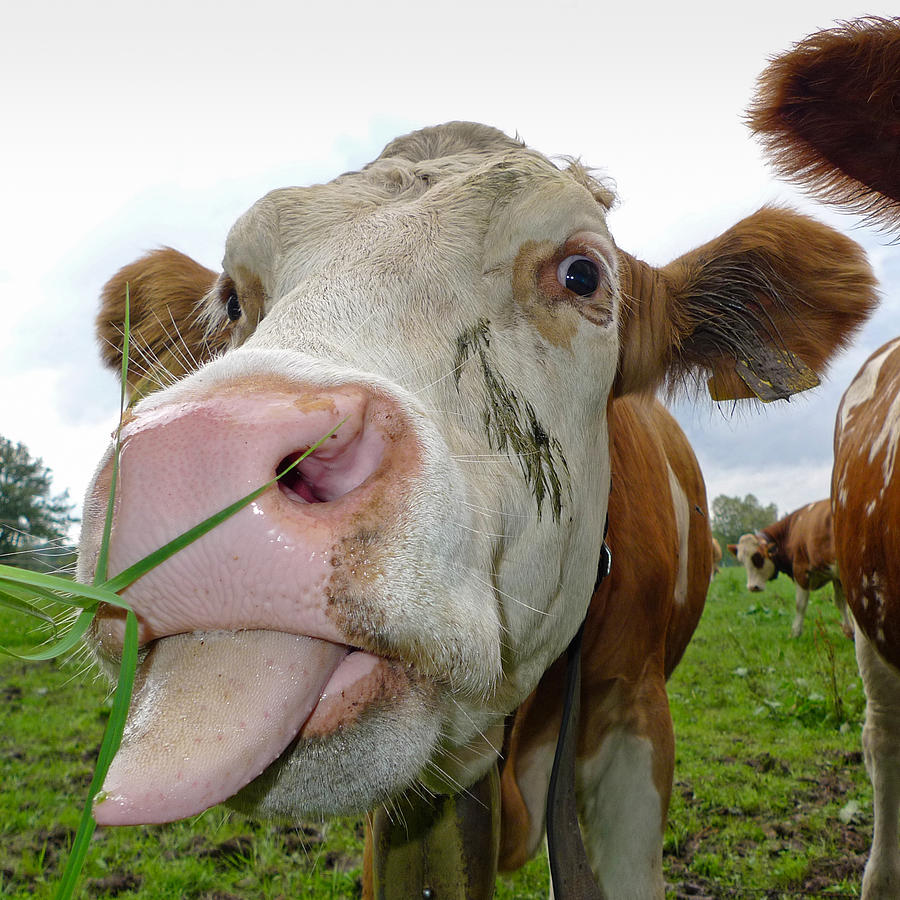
(582, 277)
(233, 307)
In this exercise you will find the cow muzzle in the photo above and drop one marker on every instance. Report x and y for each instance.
(271, 626)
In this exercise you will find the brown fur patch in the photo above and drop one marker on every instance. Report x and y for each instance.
(828, 115)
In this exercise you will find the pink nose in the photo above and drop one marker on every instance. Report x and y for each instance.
(273, 564)
(754, 588)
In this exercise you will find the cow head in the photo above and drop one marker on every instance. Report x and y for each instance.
(754, 554)
(460, 316)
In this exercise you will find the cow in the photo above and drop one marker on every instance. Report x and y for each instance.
(449, 328)
(828, 114)
(802, 546)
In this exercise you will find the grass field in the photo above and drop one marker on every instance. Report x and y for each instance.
(771, 799)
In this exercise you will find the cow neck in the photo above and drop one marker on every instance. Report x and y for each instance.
(570, 871)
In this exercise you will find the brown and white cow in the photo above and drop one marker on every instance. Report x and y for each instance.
(459, 312)
(829, 112)
(802, 546)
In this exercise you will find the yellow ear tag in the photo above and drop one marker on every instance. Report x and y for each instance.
(770, 375)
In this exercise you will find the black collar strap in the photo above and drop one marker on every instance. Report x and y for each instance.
(570, 871)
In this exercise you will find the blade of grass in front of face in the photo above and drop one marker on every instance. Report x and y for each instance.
(69, 593)
(72, 637)
(21, 600)
(100, 571)
(112, 737)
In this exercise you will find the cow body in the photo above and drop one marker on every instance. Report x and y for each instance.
(444, 332)
(828, 115)
(637, 627)
(802, 546)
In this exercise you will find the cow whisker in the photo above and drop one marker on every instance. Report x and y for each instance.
(510, 597)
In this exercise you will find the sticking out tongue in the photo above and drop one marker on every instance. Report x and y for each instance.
(211, 710)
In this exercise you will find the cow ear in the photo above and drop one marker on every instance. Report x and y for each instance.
(828, 117)
(732, 549)
(168, 336)
(760, 310)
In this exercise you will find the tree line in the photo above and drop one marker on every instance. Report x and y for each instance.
(34, 523)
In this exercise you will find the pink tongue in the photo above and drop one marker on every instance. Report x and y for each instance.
(211, 710)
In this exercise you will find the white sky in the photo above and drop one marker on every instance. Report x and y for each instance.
(128, 126)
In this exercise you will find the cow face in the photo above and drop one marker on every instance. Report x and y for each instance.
(454, 318)
(752, 553)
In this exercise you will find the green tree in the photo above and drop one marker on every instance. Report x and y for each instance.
(29, 515)
(732, 517)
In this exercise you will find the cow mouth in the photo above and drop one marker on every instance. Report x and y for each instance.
(212, 711)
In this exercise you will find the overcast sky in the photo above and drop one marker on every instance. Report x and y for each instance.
(130, 126)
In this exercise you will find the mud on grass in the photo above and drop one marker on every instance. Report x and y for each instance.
(770, 800)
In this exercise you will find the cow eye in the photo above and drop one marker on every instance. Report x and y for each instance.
(579, 275)
(233, 306)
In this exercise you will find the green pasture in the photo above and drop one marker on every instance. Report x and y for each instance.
(770, 799)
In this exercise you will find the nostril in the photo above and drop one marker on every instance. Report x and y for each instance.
(295, 484)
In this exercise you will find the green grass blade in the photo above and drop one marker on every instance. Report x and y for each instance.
(132, 573)
(22, 600)
(101, 569)
(112, 738)
(71, 593)
(67, 642)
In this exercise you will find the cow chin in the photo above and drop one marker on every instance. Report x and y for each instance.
(354, 767)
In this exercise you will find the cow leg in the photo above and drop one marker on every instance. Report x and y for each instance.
(802, 603)
(624, 789)
(840, 601)
(881, 746)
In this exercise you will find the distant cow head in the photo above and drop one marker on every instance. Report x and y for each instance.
(460, 313)
(753, 553)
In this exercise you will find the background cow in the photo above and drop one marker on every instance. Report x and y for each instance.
(829, 114)
(802, 546)
(717, 556)
(459, 313)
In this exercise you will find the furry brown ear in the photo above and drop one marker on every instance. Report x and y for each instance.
(167, 336)
(828, 114)
(760, 309)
